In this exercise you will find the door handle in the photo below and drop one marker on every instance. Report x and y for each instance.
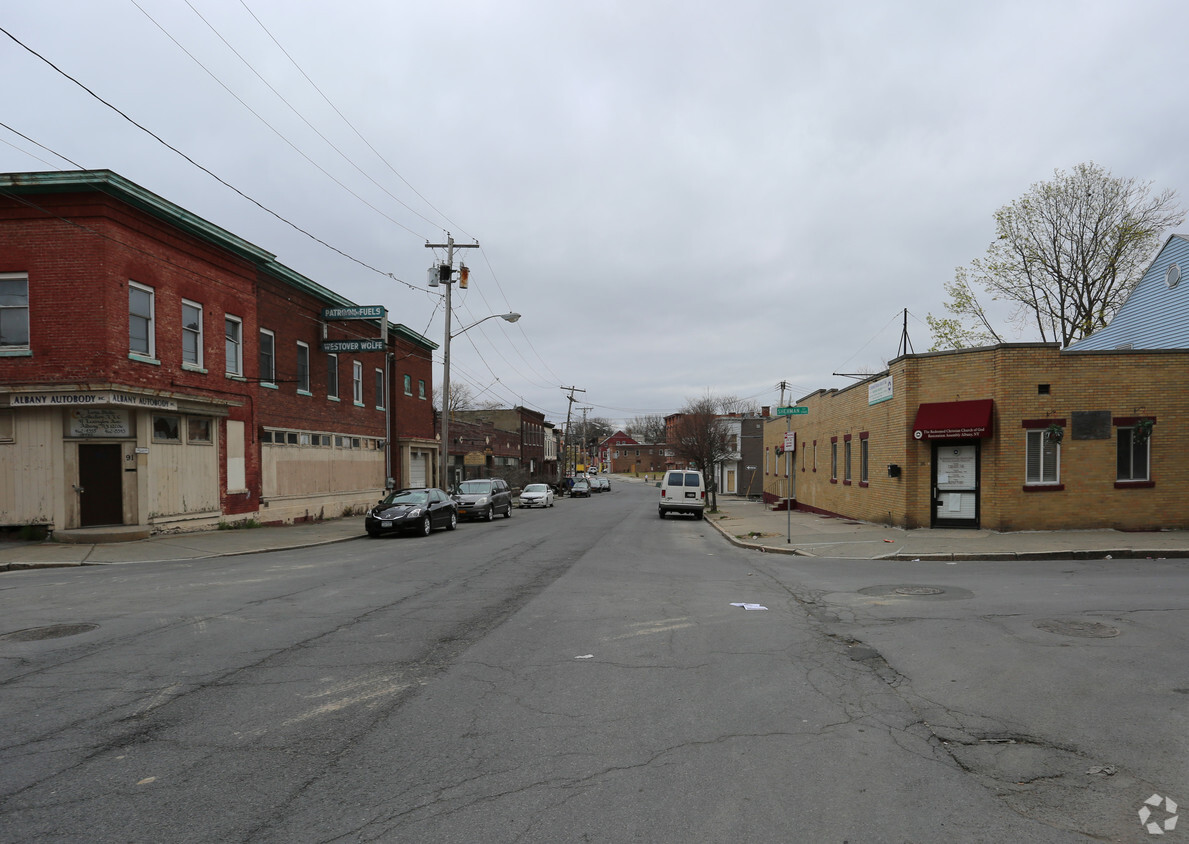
(79, 489)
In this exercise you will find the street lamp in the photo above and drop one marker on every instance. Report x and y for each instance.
(445, 461)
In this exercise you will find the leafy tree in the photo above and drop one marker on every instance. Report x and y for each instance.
(1065, 256)
(700, 435)
(648, 428)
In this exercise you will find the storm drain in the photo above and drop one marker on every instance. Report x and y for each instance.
(53, 631)
(1075, 627)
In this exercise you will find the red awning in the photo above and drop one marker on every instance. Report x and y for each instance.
(954, 420)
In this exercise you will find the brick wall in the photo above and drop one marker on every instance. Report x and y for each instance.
(79, 273)
(1153, 384)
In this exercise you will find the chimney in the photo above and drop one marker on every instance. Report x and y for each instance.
(765, 411)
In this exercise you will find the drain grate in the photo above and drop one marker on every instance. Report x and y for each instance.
(53, 631)
(1074, 627)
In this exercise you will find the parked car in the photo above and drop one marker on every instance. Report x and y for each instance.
(683, 491)
(604, 483)
(418, 510)
(536, 495)
(581, 488)
(483, 498)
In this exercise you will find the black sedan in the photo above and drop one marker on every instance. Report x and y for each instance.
(412, 511)
(581, 488)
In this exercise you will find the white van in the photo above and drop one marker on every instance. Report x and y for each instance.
(683, 491)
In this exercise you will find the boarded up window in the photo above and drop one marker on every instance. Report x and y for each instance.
(236, 463)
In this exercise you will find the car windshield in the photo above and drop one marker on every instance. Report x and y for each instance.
(408, 496)
(535, 488)
(475, 487)
(582, 482)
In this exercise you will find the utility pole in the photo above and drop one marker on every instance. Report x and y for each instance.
(569, 441)
(446, 277)
(585, 445)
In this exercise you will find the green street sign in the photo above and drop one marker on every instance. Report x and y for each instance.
(795, 410)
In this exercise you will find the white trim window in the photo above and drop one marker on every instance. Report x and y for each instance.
(14, 311)
(332, 376)
(357, 381)
(1132, 456)
(191, 334)
(233, 329)
(1042, 458)
(268, 357)
(303, 367)
(141, 318)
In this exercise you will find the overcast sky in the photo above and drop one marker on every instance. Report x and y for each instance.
(679, 197)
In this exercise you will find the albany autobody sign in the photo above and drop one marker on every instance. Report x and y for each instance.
(92, 399)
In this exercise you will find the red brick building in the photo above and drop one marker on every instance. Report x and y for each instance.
(158, 371)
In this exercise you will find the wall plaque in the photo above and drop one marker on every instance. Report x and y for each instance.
(100, 422)
(1091, 425)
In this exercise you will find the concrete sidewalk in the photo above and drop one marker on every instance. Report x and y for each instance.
(194, 545)
(752, 524)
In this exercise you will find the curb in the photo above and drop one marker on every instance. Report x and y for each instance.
(29, 566)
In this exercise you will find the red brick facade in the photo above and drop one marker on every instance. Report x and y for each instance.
(96, 248)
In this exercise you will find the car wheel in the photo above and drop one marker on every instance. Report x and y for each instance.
(662, 512)
(508, 514)
(453, 523)
(426, 526)
(374, 534)
(490, 513)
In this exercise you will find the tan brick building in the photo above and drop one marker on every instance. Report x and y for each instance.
(1009, 437)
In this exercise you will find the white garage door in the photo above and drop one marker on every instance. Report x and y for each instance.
(417, 463)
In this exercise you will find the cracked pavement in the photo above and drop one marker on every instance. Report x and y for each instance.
(579, 674)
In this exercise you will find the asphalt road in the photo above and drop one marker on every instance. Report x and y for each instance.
(580, 674)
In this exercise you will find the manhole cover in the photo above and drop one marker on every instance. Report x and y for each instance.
(1073, 627)
(53, 631)
(920, 591)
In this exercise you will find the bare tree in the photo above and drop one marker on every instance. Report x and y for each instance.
(734, 404)
(648, 428)
(461, 398)
(700, 436)
(1065, 255)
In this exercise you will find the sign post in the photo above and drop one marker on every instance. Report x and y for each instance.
(790, 448)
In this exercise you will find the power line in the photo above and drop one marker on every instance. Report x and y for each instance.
(358, 134)
(209, 172)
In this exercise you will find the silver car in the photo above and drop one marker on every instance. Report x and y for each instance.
(536, 495)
